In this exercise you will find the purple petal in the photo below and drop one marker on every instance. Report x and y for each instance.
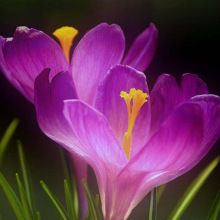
(119, 202)
(175, 144)
(166, 95)
(109, 102)
(172, 151)
(28, 53)
(101, 48)
(5, 70)
(143, 49)
(97, 139)
(192, 85)
(210, 105)
(81, 129)
(164, 98)
(49, 104)
(49, 107)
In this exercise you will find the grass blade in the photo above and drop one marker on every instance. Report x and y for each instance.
(65, 165)
(26, 206)
(57, 205)
(68, 173)
(153, 205)
(26, 176)
(213, 214)
(38, 215)
(160, 191)
(192, 190)
(97, 200)
(75, 193)
(7, 137)
(69, 201)
(12, 198)
(93, 209)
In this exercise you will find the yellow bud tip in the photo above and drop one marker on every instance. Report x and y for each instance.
(66, 35)
(139, 98)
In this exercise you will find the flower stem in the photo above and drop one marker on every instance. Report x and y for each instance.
(153, 205)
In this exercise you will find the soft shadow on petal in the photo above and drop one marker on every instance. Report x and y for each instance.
(143, 49)
(164, 98)
(192, 85)
(166, 95)
(108, 101)
(28, 53)
(49, 98)
(210, 105)
(49, 104)
(101, 48)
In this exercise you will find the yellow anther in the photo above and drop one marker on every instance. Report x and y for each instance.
(66, 35)
(138, 99)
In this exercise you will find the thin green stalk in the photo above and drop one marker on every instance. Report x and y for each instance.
(57, 205)
(93, 209)
(214, 212)
(65, 166)
(97, 200)
(192, 190)
(160, 191)
(153, 205)
(7, 137)
(12, 198)
(26, 206)
(25, 175)
(75, 193)
(68, 173)
(69, 201)
(38, 215)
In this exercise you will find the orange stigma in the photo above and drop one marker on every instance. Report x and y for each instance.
(66, 35)
(139, 98)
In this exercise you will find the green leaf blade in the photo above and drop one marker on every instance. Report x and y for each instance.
(7, 137)
(12, 198)
(27, 209)
(213, 214)
(57, 205)
(93, 209)
(69, 201)
(153, 205)
(26, 176)
(38, 215)
(192, 190)
(160, 191)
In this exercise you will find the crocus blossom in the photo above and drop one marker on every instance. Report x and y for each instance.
(25, 55)
(172, 132)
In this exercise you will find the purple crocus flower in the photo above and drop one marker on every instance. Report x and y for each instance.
(25, 55)
(171, 132)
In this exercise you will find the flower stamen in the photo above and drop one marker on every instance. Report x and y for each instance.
(66, 35)
(139, 98)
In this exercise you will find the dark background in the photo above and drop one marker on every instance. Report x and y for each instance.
(189, 34)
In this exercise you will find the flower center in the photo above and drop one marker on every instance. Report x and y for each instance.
(139, 98)
(66, 35)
